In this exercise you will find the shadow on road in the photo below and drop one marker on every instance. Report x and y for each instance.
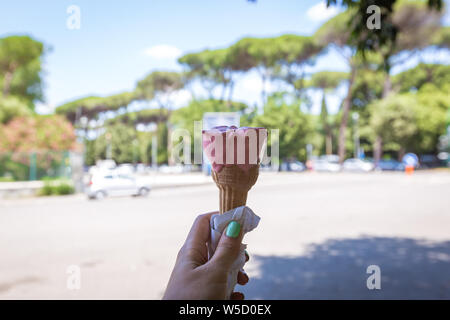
(336, 269)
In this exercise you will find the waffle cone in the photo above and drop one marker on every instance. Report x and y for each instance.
(234, 184)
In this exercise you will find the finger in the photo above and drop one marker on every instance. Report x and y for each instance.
(242, 278)
(200, 229)
(229, 245)
(237, 296)
(195, 244)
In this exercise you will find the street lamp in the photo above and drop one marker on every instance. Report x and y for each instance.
(355, 117)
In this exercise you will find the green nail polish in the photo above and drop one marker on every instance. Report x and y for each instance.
(233, 229)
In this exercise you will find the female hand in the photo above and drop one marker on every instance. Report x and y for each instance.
(196, 278)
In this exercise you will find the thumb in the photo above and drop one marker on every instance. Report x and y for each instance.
(229, 246)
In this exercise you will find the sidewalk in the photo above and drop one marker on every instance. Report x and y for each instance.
(20, 189)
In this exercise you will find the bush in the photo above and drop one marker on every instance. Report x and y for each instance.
(56, 187)
(64, 189)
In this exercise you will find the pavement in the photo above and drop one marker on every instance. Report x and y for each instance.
(24, 189)
(318, 235)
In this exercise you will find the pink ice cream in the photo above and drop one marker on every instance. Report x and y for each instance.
(244, 146)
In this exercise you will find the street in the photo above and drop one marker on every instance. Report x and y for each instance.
(317, 236)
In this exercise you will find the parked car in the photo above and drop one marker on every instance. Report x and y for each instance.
(103, 184)
(295, 166)
(326, 166)
(334, 158)
(357, 165)
(429, 161)
(390, 165)
(125, 169)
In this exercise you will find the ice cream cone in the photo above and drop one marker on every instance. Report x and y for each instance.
(234, 184)
(234, 154)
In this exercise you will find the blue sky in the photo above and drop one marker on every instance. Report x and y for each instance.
(119, 42)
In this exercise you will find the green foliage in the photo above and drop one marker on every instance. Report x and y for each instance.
(20, 68)
(327, 79)
(58, 187)
(413, 120)
(119, 138)
(336, 30)
(145, 116)
(431, 117)
(394, 120)
(267, 53)
(368, 86)
(92, 106)
(11, 107)
(212, 67)
(159, 83)
(442, 38)
(413, 79)
(390, 28)
(295, 126)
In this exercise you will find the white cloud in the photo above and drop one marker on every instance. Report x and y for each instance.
(163, 51)
(320, 12)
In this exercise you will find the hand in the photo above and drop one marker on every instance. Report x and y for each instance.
(196, 278)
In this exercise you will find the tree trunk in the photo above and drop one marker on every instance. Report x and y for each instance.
(263, 91)
(329, 142)
(7, 82)
(326, 126)
(377, 149)
(387, 87)
(345, 111)
(230, 93)
(224, 89)
(378, 146)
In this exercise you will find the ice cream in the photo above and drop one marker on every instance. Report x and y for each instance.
(234, 154)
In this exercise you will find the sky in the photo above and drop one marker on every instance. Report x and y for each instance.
(120, 42)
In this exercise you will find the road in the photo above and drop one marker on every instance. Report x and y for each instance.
(317, 236)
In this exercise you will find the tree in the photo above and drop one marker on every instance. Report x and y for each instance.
(260, 54)
(29, 134)
(294, 126)
(415, 78)
(296, 52)
(20, 68)
(394, 120)
(335, 32)
(210, 67)
(416, 26)
(93, 106)
(371, 40)
(119, 139)
(161, 85)
(442, 38)
(431, 111)
(326, 81)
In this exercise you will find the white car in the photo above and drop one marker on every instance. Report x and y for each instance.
(103, 184)
(357, 165)
(326, 166)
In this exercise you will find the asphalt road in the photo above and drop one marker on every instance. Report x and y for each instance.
(317, 236)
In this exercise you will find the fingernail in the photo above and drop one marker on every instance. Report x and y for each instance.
(233, 229)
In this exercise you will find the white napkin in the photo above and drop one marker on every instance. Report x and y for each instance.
(248, 221)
